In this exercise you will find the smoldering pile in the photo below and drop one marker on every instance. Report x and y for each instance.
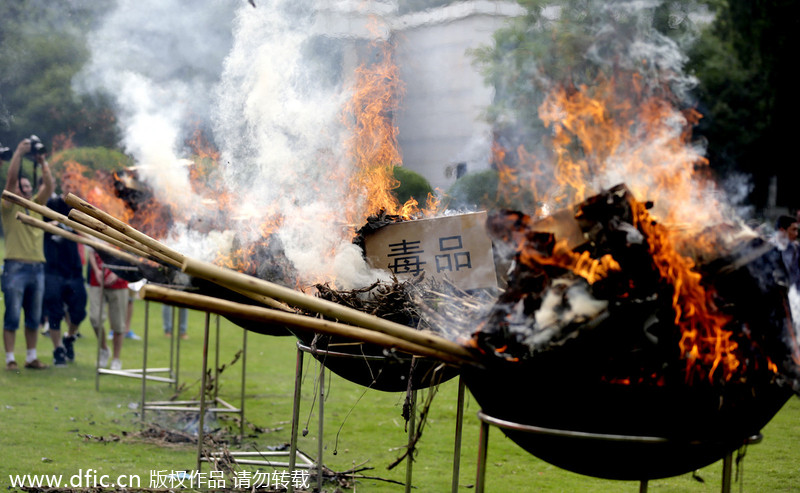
(609, 303)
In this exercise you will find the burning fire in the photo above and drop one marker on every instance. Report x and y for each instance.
(373, 145)
(614, 132)
(704, 339)
(581, 264)
(373, 148)
(96, 187)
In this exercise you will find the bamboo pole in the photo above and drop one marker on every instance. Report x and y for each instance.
(297, 321)
(55, 216)
(233, 279)
(252, 286)
(131, 244)
(123, 228)
(100, 222)
(52, 229)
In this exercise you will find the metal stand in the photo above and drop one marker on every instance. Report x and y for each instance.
(302, 348)
(457, 441)
(487, 420)
(203, 405)
(259, 458)
(143, 373)
(213, 404)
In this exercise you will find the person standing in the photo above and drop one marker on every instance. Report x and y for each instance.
(22, 281)
(168, 315)
(106, 288)
(64, 289)
(786, 233)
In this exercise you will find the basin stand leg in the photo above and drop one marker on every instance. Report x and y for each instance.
(412, 420)
(727, 472)
(244, 380)
(457, 444)
(483, 445)
(100, 336)
(298, 379)
(321, 421)
(203, 383)
(144, 355)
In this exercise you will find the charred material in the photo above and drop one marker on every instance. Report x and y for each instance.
(599, 339)
(368, 364)
(374, 223)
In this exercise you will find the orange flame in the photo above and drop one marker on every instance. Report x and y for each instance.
(373, 145)
(96, 187)
(581, 264)
(613, 132)
(705, 344)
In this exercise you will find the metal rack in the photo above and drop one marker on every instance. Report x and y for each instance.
(144, 373)
(486, 421)
(303, 348)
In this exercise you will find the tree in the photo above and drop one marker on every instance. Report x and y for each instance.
(568, 42)
(745, 63)
(412, 184)
(42, 46)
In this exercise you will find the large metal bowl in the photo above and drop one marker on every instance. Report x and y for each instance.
(372, 366)
(662, 431)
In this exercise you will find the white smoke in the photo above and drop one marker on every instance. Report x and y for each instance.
(159, 61)
(271, 83)
(278, 120)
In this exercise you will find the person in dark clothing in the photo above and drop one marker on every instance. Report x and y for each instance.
(64, 291)
(786, 232)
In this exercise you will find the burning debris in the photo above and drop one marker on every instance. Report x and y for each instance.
(373, 365)
(628, 269)
(623, 334)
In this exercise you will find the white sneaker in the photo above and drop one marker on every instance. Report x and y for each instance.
(116, 364)
(104, 355)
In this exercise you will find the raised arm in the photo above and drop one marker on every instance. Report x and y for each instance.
(48, 185)
(12, 181)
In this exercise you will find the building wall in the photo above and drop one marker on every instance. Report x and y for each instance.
(441, 119)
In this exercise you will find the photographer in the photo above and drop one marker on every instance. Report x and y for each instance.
(22, 280)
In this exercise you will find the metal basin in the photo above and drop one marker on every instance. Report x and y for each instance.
(662, 431)
(370, 366)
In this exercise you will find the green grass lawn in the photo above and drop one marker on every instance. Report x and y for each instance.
(55, 422)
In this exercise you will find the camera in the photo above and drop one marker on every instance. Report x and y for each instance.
(37, 147)
(5, 153)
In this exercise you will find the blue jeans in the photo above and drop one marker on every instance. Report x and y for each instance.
(167, 316)
(23, 289)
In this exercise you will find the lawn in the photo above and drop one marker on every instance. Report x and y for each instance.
(55, 422)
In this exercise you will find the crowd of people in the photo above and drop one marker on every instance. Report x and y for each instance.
(45, 277)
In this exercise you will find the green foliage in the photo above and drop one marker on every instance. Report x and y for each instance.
(412, 184)
(42, 46)
(477, 190)
(566, 42)
(92, 158)
(745, 62)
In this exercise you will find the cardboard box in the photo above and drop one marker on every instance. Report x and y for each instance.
(456, 247)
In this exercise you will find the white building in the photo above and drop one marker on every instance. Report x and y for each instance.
(442, 131)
